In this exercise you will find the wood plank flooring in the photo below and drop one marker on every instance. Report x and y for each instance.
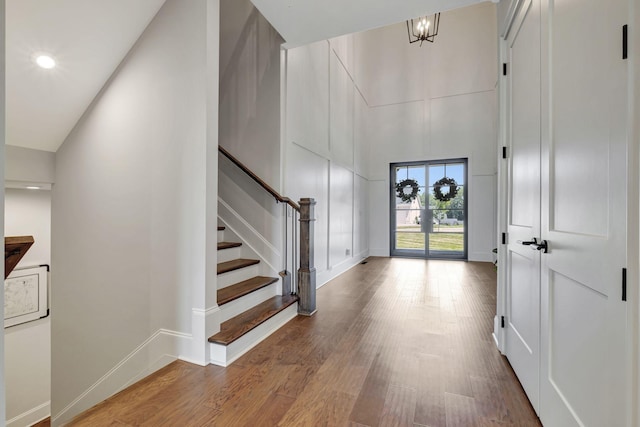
(44, 423)
(395, 342)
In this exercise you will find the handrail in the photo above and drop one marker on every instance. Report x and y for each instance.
(258, 180)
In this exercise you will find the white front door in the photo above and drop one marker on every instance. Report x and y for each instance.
(584, 181)
(522, 344)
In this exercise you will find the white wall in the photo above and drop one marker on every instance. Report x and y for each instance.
(28, 346)
(28, 165)
(253, 214)
(433, 102)
(250, 89)
(326, 152)
(133, 217)
(28, 213)
(362, 101)
(250, 129)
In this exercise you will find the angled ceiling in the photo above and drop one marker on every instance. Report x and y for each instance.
(87, 38)
(304, 21)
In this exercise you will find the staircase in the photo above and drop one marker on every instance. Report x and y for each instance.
(250, 299)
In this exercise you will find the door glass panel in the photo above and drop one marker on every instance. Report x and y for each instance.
(408, 232)
(410, 236)
(447, 238)
(416, 173)
(455, 171)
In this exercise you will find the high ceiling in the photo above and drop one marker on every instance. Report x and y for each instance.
(304, 21)
(89, 38)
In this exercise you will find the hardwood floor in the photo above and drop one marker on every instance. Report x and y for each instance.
(44, 423)
(395, 342)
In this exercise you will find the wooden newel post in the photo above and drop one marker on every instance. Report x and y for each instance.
(307, 272)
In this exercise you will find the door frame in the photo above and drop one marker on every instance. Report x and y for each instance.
(392, 221)
(633, 213)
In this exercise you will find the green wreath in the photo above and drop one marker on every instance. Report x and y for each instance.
(445, 182)
(403, 186)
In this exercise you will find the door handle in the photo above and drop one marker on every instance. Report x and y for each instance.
(533, 244)
(533, 241)
(542, 246)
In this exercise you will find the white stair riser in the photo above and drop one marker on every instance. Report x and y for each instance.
(233, 308)
(225, 255)
(235, 276)
(220, 235)
(224, 355)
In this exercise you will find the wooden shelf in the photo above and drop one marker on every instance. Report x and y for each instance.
(14, 249)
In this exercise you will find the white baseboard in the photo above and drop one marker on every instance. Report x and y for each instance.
(32, 416)
(162, 348)
(327, 275)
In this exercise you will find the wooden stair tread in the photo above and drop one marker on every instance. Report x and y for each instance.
(236, 327)
(221, 228)
(228, 245)
(243, 288)
(225, 267)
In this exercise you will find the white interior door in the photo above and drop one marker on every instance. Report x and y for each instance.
(523, 264)
(584, 178)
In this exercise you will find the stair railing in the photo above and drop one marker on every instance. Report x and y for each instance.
(297, 245)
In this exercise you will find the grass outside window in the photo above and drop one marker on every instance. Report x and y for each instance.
(437, 241)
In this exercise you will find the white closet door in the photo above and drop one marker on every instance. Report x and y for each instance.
(583, 213)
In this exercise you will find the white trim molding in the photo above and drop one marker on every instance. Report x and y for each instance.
(32, 416)
(327, 275)
(162, 348)
(206, 322)
(507, 24)
(250, 237)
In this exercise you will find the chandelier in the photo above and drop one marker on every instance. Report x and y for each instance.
(424, 28)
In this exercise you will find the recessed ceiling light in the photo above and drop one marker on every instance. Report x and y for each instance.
(32, 187)
(45, 61)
